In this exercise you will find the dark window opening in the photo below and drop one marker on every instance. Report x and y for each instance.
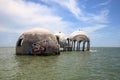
(20, 42)
(58, 39)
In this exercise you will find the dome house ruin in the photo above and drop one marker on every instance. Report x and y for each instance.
(37, 41)
(76, 41)
(77, 38)
(43, 42)
(62, 40)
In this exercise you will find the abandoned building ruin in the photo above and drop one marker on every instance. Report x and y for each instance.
(37, 41)
(43, 42)
(77, 41)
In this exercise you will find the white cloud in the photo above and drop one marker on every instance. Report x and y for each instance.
(72, 6)
(30, 14)
(102, 4)
(74, 9)
(2, 29)
(101, 17)
(91, 29)
(80, 14)
(21, 15)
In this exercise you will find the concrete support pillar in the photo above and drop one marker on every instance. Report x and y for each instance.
(78, 45)
(69, 48)
(74, 45)
(65, 45)
(83, 48)
(88, 46)
(68, 42)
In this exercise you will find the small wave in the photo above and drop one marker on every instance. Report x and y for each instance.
(93, 50)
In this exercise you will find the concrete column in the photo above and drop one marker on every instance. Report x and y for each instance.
(68, 42)
(88, 46)
(65, 45)
(74, 45)
(83, 48)
(78, 45)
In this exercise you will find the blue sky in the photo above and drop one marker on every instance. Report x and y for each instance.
(98, 18)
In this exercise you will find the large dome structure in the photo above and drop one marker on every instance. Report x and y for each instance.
(78, 37)
(37, 41)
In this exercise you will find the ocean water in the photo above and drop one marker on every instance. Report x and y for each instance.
(98, 64)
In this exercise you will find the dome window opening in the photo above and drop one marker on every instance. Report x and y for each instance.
(20, 42)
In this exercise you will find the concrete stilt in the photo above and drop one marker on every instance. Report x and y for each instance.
(88, 46)
(74, 45)
(83, 48)
(78, 46)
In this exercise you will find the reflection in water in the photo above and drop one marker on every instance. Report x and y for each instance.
(101, 65)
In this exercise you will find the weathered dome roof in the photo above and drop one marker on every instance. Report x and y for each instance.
(61, 35)
(35, 34)
(37, 30)
(78, 33)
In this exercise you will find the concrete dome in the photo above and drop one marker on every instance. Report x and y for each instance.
(61, 36)
(37, 30)
(37, 41)
(79, 35)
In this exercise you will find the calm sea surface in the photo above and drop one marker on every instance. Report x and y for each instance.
(98, 64)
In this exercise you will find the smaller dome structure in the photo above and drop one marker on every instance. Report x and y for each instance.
(37, 41)
(77, 37)
(78, 32)
(61, 37)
